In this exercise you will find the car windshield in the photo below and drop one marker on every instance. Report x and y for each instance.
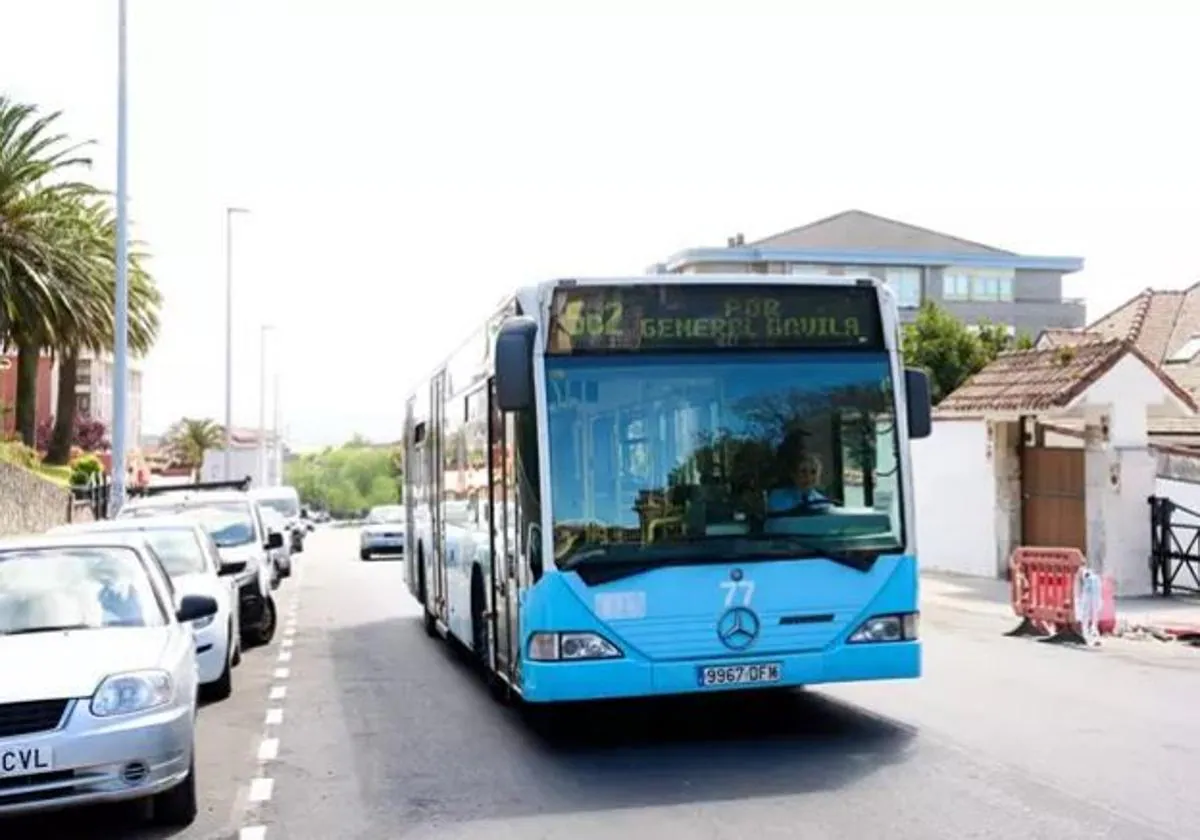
(287, 506)
(229, 523)
(386, 514)
(177, 548)
(722, 456)
(51, 589)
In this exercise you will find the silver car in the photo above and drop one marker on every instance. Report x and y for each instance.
(99, 690)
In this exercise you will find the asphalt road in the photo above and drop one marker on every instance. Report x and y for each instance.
(368, 729)
(386, 733)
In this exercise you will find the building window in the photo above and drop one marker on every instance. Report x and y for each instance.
(981, 284)
(83, 372)
(906, 284)
(83, 404)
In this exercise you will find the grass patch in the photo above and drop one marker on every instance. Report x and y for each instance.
(58, 473)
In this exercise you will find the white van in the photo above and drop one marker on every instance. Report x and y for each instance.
(286, 501)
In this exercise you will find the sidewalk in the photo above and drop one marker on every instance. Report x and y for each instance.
(1160, 617)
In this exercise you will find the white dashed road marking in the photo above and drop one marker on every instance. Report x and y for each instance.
(262, 787)
(268, 750)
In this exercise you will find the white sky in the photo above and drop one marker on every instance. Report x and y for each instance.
(406, 170)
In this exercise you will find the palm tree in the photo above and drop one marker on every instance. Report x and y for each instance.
(88, 227)
(34, 162)
(189, 440)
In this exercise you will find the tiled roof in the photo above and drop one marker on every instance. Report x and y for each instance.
(1042, 380)
(1158, 322)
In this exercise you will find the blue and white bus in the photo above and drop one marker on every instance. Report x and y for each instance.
(668, 484)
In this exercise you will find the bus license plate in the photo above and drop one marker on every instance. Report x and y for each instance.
(757, 674)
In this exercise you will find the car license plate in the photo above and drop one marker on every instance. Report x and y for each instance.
(755, 674)
(25, 761)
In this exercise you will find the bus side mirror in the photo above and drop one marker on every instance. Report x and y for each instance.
(514, 364)
(920, 403)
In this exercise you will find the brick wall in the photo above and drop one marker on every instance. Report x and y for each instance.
(30, 503)
(8, 390)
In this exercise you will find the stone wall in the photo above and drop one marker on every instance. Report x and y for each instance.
(31, 504)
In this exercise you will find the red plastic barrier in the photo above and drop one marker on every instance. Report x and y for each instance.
(1043, 590)
(1108, 608)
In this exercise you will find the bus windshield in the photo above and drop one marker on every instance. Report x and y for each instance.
(716, 457)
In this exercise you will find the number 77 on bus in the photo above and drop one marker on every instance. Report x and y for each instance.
(626, 487)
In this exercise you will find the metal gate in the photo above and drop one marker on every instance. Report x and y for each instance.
(1053, 498)
(1174, 547)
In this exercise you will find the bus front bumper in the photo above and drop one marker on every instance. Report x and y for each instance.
(551, 682)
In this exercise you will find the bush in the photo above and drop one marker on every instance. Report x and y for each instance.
(15, 452)
(84, 469)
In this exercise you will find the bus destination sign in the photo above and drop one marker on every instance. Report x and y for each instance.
(680, 316)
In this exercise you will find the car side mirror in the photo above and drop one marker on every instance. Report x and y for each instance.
(274, 540)
(233, 567)
(195, 607)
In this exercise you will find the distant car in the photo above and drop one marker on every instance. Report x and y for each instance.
(282, 556)
(191, 558)
(99, 690)
(286, 501)
(235, 522)
(383, 532)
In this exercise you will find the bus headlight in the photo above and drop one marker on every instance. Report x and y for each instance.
(887, 628)
(570, 647)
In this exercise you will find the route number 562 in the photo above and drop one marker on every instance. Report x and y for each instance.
(602, 320)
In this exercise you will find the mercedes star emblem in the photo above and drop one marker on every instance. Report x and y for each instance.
(738, 628)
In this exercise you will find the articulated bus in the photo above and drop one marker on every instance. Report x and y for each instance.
(670, 484)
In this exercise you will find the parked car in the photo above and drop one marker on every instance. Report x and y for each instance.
(99, 694)
(383, 532)
(191, 558)
(286, 502)
(235, 522)
(282, 556)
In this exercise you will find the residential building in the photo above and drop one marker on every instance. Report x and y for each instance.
(971, 280)
(1164, 327)
(47, 374)
(244, 459)
(94, 378)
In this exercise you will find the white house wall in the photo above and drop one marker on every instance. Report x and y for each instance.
(955, 487)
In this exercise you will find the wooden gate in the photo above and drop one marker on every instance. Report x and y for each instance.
(1053, 498)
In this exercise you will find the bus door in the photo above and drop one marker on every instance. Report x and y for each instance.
(504, 563)
(411, 477)
(437, 464)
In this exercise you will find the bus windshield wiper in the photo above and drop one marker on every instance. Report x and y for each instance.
(859, 559)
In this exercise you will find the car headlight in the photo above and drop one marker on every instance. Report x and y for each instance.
(571, 647)
(887, 628)
(137, 691)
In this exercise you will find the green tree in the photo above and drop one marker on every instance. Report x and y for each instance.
(348, 479)
(190, 439)
(995, 339)
(951, 353)
(35, 162)
(88, 228)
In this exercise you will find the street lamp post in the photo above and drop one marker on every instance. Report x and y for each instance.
(275, 431)
(227, 458)
(262, 404)
(121, 304)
